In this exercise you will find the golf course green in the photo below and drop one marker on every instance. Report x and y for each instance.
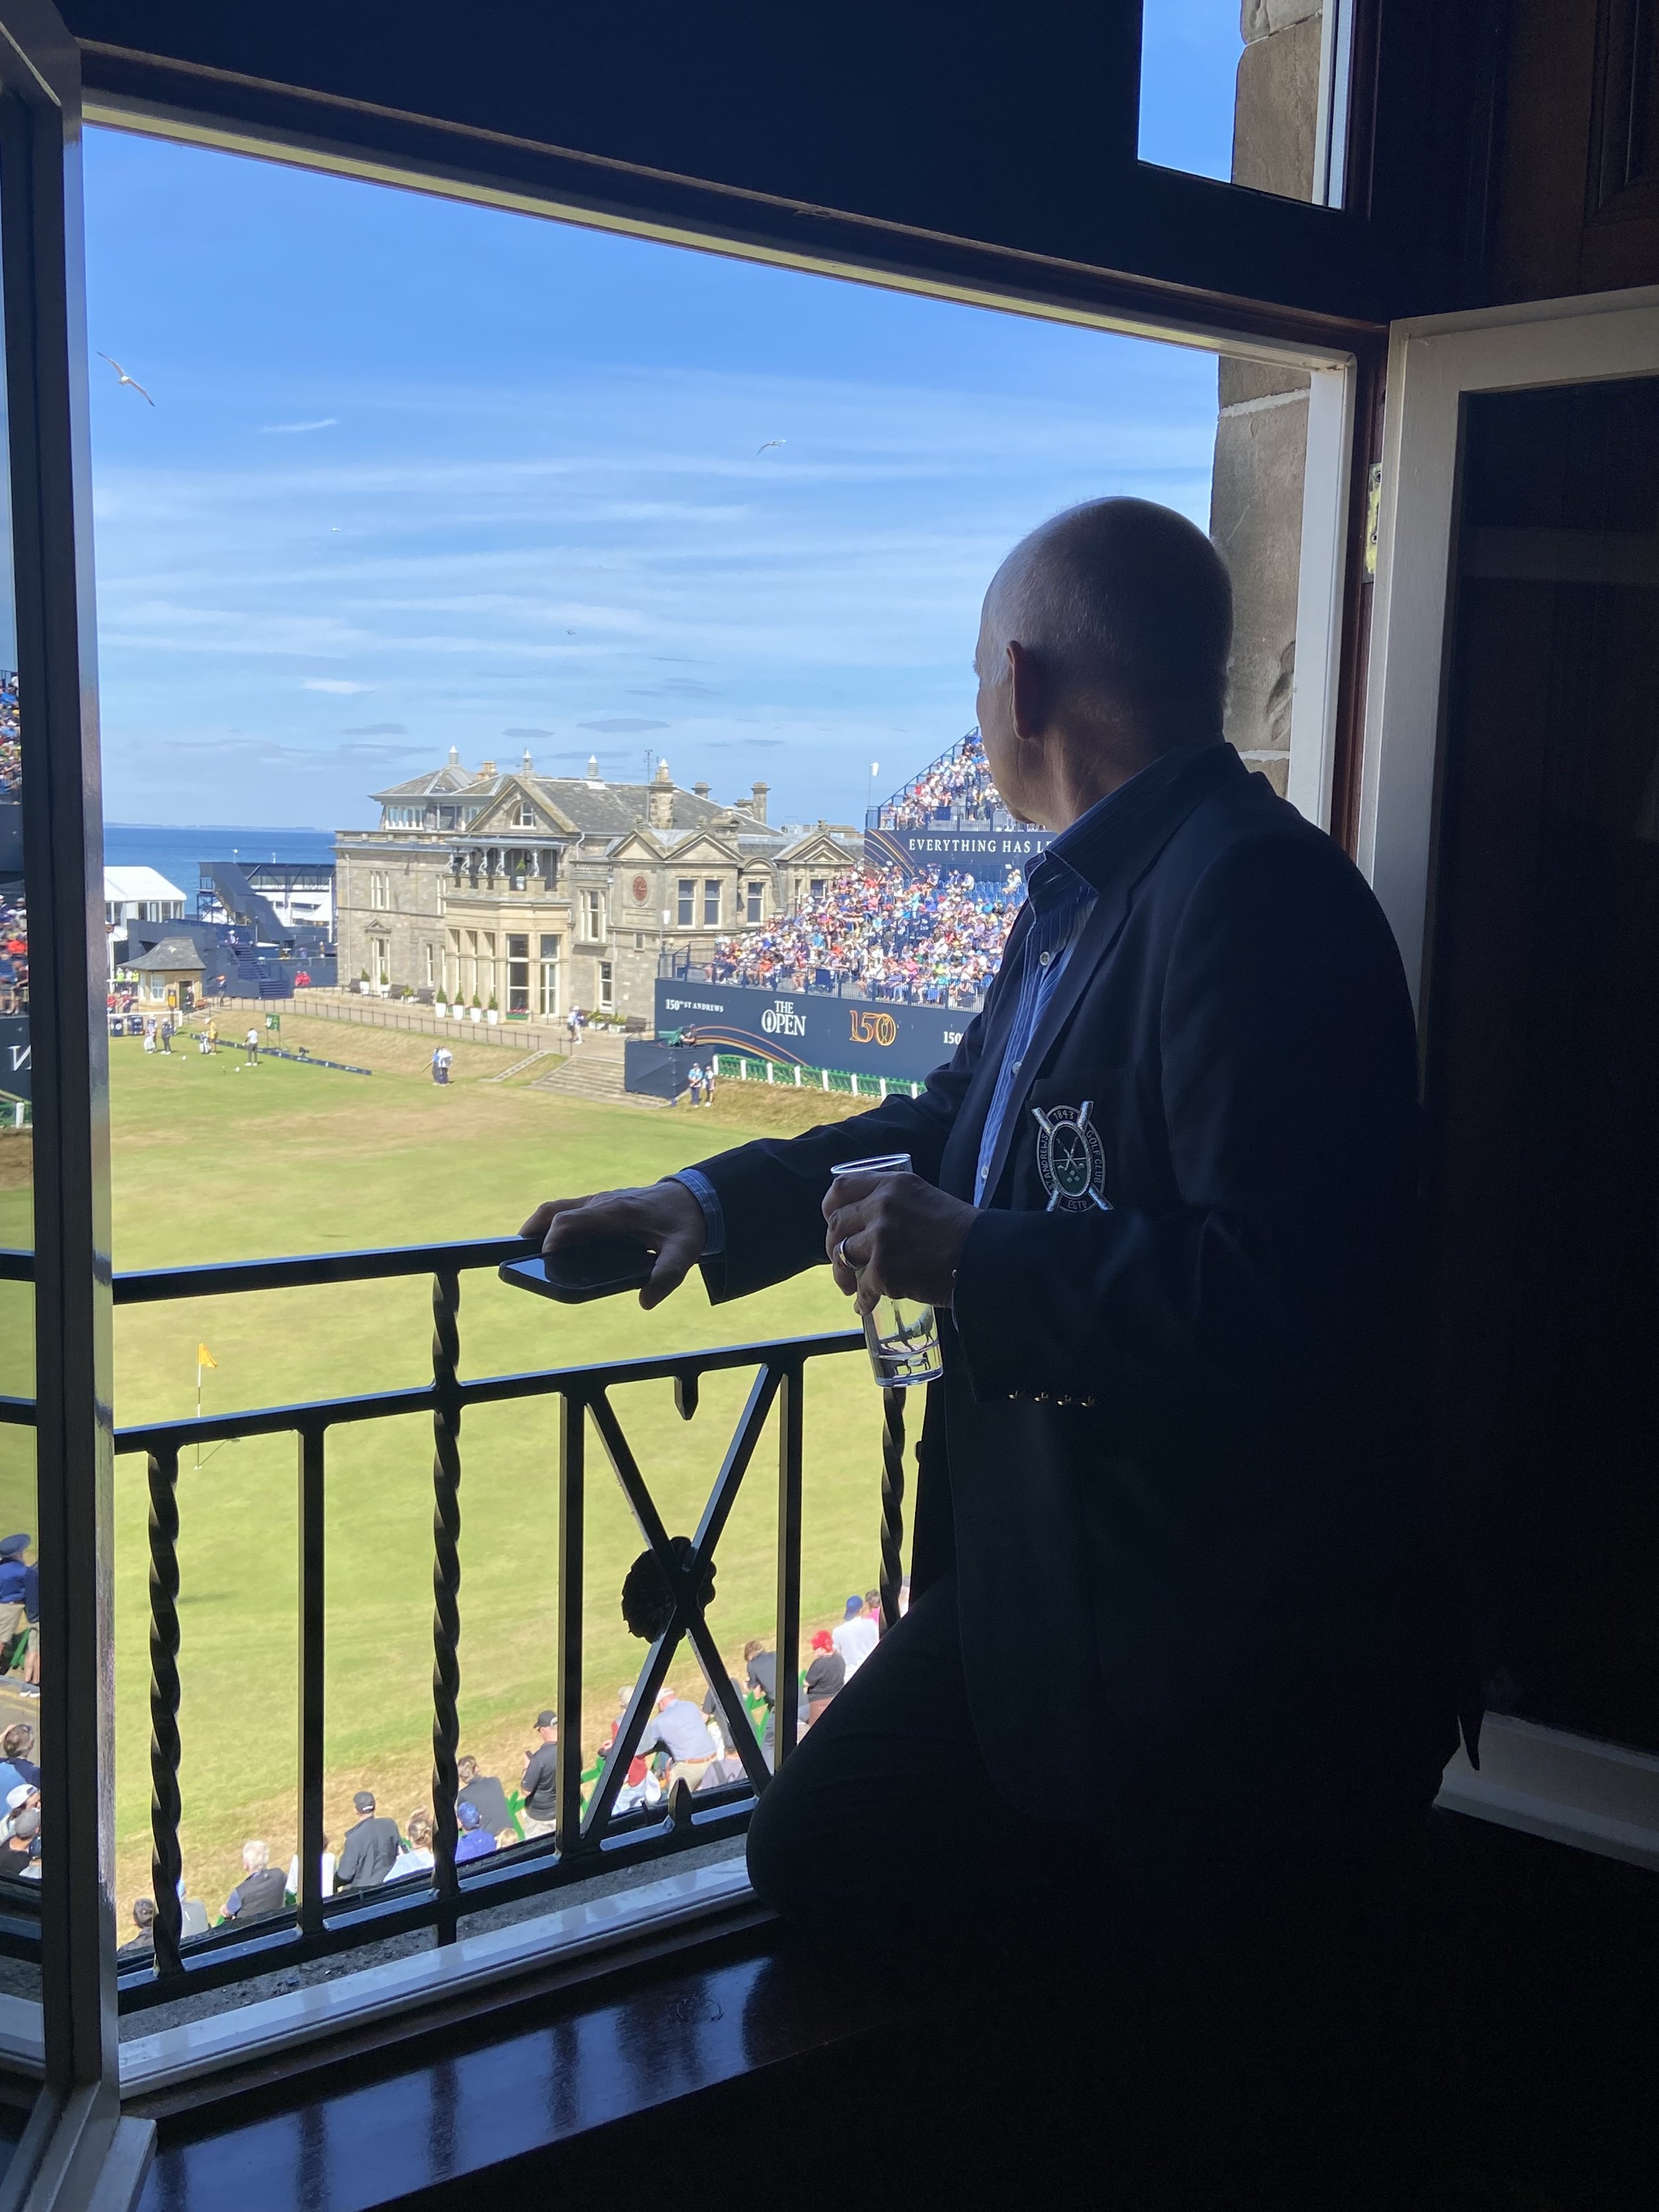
(215, 1159)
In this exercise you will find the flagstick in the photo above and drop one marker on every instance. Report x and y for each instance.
(198, 1413)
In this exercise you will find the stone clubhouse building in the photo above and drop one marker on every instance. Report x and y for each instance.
(540, 893)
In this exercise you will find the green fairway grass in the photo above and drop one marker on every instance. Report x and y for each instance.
(213, 1160)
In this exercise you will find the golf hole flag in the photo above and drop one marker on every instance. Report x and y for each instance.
(205, 1357)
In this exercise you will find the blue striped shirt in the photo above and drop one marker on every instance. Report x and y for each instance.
(1062, 902)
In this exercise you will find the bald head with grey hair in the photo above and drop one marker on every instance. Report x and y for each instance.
(1104, 644)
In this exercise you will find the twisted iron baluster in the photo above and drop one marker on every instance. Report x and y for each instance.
(166, 1860)
(892, 1505)
(445, 1575)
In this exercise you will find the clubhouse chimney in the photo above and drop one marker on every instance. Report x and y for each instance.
(662, 798)
(757, 803)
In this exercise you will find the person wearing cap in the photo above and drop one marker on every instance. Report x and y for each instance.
(16, 1765)
(20, 1855)
(540, 1781)
(855, 1635)
(417, 1856)
(262, 1890)
(14, 1619)
(826, 1674)
(370, 1850)
(22, 1797)
(475, 1840)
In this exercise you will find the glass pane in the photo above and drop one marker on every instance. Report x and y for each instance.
(1544, 1042)
(735, 510)
(22, 1831)
(1254, 92)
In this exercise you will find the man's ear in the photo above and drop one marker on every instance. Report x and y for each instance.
(1028, 693)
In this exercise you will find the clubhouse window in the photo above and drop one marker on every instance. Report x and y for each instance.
(549, 994)
(380, 888)
(593, 915)
(711, 902)
(687, 901)
(607, 986)
(754, 901)
(518, 975)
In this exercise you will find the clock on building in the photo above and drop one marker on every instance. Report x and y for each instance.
(641, 890)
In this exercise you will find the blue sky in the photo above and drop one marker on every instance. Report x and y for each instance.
(420, 475)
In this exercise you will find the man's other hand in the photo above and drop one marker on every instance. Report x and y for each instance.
(663, 1217)
(894, 1237)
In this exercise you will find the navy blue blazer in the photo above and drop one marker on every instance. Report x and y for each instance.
(1168, 1458)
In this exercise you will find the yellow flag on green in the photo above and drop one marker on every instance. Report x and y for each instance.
(205, 1357)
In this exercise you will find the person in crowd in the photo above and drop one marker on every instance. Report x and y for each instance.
(20, 1855)
(261, 1891)
(475, 1840)
(826, 1674)
(251, 1045)
(370, 1849)
(13, 1620)
(678, 1729)
(325, 1868)
(694, 1082)
(16, 1765)
(540, 1779)
(1162, 1199)
(21, 1798)
(725, 1768)
(856, 1634)
(142, 1943)
(30, 1684)
(761, 1673)
(165, 1033)
(708, 1082)
(149, 1032)
(437, 1063)
(573, 1022)
(417, 1856)
(485, 1791)
(212, 1034)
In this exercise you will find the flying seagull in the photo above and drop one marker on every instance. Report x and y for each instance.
(123, 378)
(767, 447)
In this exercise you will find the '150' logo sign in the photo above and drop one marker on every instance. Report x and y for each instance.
(869, 1028)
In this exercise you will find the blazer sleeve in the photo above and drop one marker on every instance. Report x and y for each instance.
(1288, 1080)
(771, 1193)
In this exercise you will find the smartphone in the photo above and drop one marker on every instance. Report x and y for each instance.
(598, 1268)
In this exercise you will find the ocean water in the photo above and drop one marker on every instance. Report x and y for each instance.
(176, 849)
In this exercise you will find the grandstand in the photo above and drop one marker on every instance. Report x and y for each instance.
(925, 938)
(950, 815)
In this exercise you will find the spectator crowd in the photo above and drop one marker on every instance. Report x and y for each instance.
(956, 789)
(681, 1741)
(930, 940)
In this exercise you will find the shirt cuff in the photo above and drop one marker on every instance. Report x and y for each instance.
(707, 1198)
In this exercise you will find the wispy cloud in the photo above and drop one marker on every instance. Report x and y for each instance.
(624, 726)
(335, 684)
(296, 429)
(536, 733)
(377, 730)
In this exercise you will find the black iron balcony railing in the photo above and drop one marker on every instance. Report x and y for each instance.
(587, 1840)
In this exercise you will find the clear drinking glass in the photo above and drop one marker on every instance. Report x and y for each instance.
(902, 1334)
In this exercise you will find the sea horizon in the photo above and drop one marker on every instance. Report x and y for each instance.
(176, 849)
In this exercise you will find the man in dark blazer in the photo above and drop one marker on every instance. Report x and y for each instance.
(369, 1848)
(1173, 1605)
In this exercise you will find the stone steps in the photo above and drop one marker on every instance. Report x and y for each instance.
(595, 1075)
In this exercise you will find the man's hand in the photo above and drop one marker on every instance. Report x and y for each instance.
(663, 1217)
(894, 1237)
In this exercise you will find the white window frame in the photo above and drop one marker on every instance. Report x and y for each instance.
(1433, 363)
(607, 987)
(1545, 1781)
(593, 916)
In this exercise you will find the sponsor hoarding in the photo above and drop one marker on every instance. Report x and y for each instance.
(854, 1036)
(15, 1057)
(986, 855)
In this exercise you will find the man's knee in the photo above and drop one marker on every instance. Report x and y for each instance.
(779, 1848)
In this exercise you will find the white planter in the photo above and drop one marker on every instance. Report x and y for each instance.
(493, 1014)
(477, 1013)
(439, 1009)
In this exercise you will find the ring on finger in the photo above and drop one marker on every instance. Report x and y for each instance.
(851, 1265)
